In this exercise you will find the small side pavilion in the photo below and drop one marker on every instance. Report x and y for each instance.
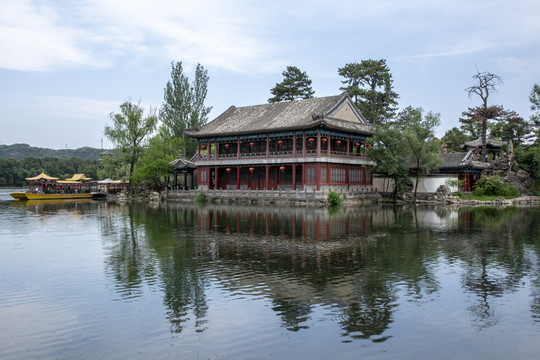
(185, 168)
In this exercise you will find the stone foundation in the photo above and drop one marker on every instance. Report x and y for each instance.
(275, 196)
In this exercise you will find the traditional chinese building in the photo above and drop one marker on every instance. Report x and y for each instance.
(311, 144)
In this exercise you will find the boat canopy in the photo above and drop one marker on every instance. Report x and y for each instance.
(41, 176)
(67, 181)
(79, 177)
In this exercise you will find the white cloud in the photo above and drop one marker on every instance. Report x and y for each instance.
(32, 38)
(37, 36)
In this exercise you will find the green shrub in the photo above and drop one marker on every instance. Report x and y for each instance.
(334, 198)
(201, 197)
(494, 186)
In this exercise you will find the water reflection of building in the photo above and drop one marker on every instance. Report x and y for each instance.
(294, 223)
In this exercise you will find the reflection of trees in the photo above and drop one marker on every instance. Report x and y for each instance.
(148, 246)
(371, 312)
(130, 262)
(494, 260)
(355, 263)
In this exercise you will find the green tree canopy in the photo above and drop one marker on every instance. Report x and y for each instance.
(419, 140)
(295, 85)
(183, 108)
(534, 98)
(129, 130)
(388, 155)
(369, 83)
(454, 138)
(154, 165)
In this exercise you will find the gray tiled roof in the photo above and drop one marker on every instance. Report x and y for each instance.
(478, 143)
(283, 116)
(456, 160)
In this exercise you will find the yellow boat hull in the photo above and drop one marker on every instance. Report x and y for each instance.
(19, 195)
(31, 196)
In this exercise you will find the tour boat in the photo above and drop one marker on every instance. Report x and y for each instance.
(45, 187)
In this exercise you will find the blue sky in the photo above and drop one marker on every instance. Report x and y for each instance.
(66, 65)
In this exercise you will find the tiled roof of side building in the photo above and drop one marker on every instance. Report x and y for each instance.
(287, 116)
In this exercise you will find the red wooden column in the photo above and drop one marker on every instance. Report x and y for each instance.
(267, 147)
(318, 144)
(348, 145)
(294, 176)
(216, 177)
(294, 146)
(304, 145)
(318, 175)
(238, 148)
(266, 183)
(328, 147)
(238, 176)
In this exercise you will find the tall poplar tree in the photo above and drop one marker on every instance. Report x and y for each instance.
(183, 108)
(295, 85)
(369, 84)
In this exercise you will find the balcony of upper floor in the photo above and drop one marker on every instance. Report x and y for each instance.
(291, 146)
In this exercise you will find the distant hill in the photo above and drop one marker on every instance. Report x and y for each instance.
(21, 151)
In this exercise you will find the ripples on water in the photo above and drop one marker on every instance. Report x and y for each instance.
(98, 280)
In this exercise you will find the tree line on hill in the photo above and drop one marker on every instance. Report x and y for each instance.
(21, 151)
(13, 172)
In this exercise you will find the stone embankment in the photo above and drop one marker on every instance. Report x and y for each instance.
(299, 198)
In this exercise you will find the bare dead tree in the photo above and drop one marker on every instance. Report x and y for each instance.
(485, 84)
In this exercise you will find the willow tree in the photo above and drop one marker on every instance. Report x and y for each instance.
(129, 131)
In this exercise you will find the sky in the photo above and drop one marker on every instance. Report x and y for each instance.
(65, 66)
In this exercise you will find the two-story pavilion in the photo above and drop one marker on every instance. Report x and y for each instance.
(311, 144)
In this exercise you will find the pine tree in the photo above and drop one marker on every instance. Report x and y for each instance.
(295, 85)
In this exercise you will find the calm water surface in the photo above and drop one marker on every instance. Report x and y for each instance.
(96, 280)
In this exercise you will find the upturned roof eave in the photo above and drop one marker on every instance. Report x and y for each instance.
(194, 133)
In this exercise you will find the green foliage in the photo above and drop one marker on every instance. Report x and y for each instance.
(295, 85)
(201, 198)
(183, 108)
(13, 172)
(21, 151)
(129, 131)
(154, 166)
(388, 155)
(369, 83)
(334, 198)
(517, 131)
(454, 138)
(534, 98)
(419, 140)
(494, 186)
(454, 184)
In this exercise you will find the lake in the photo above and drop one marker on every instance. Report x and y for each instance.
(97, 280)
